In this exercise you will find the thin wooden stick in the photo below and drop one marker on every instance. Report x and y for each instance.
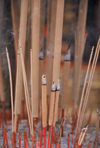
(90, 81)
(80, 118)
(55, 111)
(11, 87)
(27, 97)
(83, 91)
(65, 75)
(2, 94)
(42, 20)
(22, 39)
(44, 107)
(35, 10)
(52, 101)
(80, 38)
(41, 72)
(50, 45)
(56, 104)
(51, 111)
(15, 16)
(44, 102)
(58, 40)
(82, 135)
(31, 81)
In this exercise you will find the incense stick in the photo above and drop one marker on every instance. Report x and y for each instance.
(58, 40)
(11, 87)
(44, 102)
(55, 111)
(82, 135)
(27, 97)
(50, 45)
(65, 75)
(31, 81)
(52, 102)
(83, 91)
(90, 77)
(35, 11)
(2, 94)
(22, 40)
(51, 111)
(80, 38)
(14, 9)
(56, 104)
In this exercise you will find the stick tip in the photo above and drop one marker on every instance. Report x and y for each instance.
(58, 85)
(92, 48)
(67, 56)
(41, 56)
(6, 49)
(44, 79)
(53, 86)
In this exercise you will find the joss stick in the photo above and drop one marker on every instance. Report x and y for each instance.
(44, 107)
(51, 110)
(27, 97)
(82, 135)
(31, 66)
(2, 94)
(35, 11)
(41, 72)
(58, 40)
(90, 81)
(44, 102)
(11, 87)
(50, 44)
(86, 95)
(55, 110)
(80, 38)
(22, 40)
(52, 101)
(83, 91)
(42, 20)
(15, 16)
(56, 103)
(65, 75)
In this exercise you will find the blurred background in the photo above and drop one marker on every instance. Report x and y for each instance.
(69, 26)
